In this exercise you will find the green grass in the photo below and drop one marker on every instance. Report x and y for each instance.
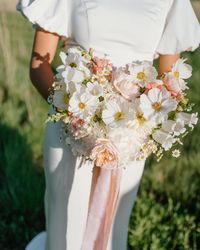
(167, 212)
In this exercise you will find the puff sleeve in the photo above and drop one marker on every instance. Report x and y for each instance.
(181, 31)
(51, 15)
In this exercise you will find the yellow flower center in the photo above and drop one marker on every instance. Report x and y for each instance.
(81, 105)
(119, 116)
(73, 65)
(66, 98)
(156, 105)
(177, 74)
(140, 118)
(141, 75)
(94, 92)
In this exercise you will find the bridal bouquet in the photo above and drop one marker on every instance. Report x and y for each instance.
(115, 114)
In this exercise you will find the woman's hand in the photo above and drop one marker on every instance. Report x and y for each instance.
(43, 52)
(166, 62)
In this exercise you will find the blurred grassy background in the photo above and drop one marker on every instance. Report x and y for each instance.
(167, 212)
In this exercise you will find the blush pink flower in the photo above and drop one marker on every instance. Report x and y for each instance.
(78, 127)
(124, 84)
(105, 154)
(102, 69)
(151, 85)
(174, 85)
(100, 64)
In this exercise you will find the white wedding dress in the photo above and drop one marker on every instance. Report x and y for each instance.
(126, 30)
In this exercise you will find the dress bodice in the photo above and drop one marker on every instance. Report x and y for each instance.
(126, 30)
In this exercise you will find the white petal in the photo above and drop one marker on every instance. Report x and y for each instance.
(169, 105)
(160, 136)
(159, 117)
(146, 105)
(58, 100)
(189, 119)
(107, 117)
(63, 57)
(165, 94)
(77, 76)
(165, 139)
(179, 128)
(168, 126)
(153, 95)
(185, 71)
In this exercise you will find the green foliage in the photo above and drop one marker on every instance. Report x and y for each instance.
(22, 116)
(166, 215)
(163, 226)
(21, 190)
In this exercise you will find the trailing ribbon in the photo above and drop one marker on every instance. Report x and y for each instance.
(102, 207)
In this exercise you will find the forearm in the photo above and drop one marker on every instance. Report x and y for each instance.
(41, 74)
(44, 48)
(166, 62)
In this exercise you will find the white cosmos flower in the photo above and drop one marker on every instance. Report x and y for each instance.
(164, 138)
(73, 69)
(61, 99)
(157, 104)
(72, 87)
(140, 124)
(78, 50)
(117, 113)
(175, 79)
(73, 75)
(142, 72)
(76, 61)
(181, 69)
(188, 119)
(174, 127)
(83, 104)
(174, 85)
(95, 89)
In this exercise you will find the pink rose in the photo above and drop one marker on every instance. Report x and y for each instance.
(125, 85)
(105, 154)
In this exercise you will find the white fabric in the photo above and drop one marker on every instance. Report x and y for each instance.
(125, 30)
(182, 31)
(38, 242)
(52, 15)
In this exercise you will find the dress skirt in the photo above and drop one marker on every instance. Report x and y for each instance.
(68, 183)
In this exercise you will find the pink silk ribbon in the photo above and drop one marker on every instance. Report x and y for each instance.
(103, 202)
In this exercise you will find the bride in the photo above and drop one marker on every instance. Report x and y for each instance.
(127, 31)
